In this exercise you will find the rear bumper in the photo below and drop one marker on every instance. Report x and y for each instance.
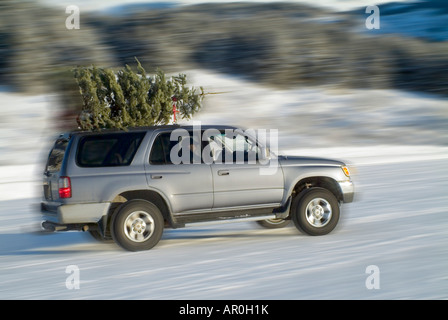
(73, 213)
(348, 191)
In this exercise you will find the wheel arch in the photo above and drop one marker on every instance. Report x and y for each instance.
(147, 195)
(324, 182)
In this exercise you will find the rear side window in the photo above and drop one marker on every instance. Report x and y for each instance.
(160, 152)
(108, 150)
(162, 148)
(56, 156)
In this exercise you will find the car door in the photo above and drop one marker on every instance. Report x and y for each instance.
(187, 186)
(238, 179)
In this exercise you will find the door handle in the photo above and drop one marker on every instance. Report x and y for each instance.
(223, 172)
(154, 176)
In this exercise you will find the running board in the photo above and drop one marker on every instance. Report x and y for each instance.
(230, 220)
(257, 214)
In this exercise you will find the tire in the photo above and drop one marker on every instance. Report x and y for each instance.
(315, 212)
(273, 223)
(137, 225)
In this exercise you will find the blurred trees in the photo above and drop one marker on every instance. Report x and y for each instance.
(35, 46)
(277, 44)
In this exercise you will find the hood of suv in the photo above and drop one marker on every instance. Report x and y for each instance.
(286, 160)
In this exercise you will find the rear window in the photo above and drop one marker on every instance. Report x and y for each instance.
(56, 156)
(108, 150)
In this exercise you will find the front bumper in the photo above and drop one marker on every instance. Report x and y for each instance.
(348, 190)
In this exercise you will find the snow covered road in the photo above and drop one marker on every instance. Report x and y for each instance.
(398, 224)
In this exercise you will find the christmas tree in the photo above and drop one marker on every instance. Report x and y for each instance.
(129, 98)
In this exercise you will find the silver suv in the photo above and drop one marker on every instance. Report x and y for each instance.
(129, 185)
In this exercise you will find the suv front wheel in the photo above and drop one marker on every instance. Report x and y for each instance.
(137, 225)
(316, 212)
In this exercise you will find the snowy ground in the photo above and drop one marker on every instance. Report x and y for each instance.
(397, 223)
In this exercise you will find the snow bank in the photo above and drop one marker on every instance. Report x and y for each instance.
(324, 116)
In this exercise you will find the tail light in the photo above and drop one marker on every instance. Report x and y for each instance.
(65, 187)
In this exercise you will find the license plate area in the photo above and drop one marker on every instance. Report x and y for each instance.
(47, 191)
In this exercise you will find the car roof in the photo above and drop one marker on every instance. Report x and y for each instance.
(149, 128)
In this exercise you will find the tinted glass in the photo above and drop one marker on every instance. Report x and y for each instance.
(160, 152)
(57, 155)
(107, 150)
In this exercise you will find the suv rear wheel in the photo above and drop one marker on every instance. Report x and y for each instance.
(273, 223)
(137, 225)
(315, 212)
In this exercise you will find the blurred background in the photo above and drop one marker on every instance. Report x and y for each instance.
(311, 69)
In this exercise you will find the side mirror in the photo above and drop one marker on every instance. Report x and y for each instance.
(264, 154)
(267, 153)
